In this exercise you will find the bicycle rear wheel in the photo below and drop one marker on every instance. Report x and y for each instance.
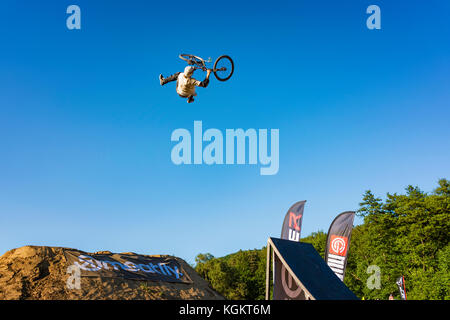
(223, 68)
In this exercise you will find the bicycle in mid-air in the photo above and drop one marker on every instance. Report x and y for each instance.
(223, 67)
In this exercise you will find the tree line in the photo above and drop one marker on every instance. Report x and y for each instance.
(404, 234)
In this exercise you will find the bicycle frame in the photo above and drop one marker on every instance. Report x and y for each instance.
(200, 63)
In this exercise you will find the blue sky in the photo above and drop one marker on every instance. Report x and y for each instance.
(85, 126)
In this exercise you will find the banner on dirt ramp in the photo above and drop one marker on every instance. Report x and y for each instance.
(128, 266)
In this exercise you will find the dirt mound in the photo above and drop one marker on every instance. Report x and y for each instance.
(34, 272)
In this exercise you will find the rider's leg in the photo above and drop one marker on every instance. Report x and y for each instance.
(190, 99)
(171, 78)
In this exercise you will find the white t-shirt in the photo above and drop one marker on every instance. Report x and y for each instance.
(186, 86)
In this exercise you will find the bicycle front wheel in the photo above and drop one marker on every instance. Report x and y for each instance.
(223, 68)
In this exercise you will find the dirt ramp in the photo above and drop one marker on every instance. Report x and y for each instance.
(43, 273)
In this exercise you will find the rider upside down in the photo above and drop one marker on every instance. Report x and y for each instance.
(185, 83)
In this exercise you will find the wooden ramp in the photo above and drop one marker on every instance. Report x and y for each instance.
(312, 275)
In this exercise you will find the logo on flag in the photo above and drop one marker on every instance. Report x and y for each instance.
(338, 245)
(294, 221)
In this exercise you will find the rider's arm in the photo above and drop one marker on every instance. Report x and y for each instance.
(205, 82)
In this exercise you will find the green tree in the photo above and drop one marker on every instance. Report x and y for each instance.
(406, 234)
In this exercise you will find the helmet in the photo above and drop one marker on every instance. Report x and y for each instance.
(188, 71)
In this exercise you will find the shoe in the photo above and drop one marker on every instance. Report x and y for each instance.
(161, 79)
(190, 99)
